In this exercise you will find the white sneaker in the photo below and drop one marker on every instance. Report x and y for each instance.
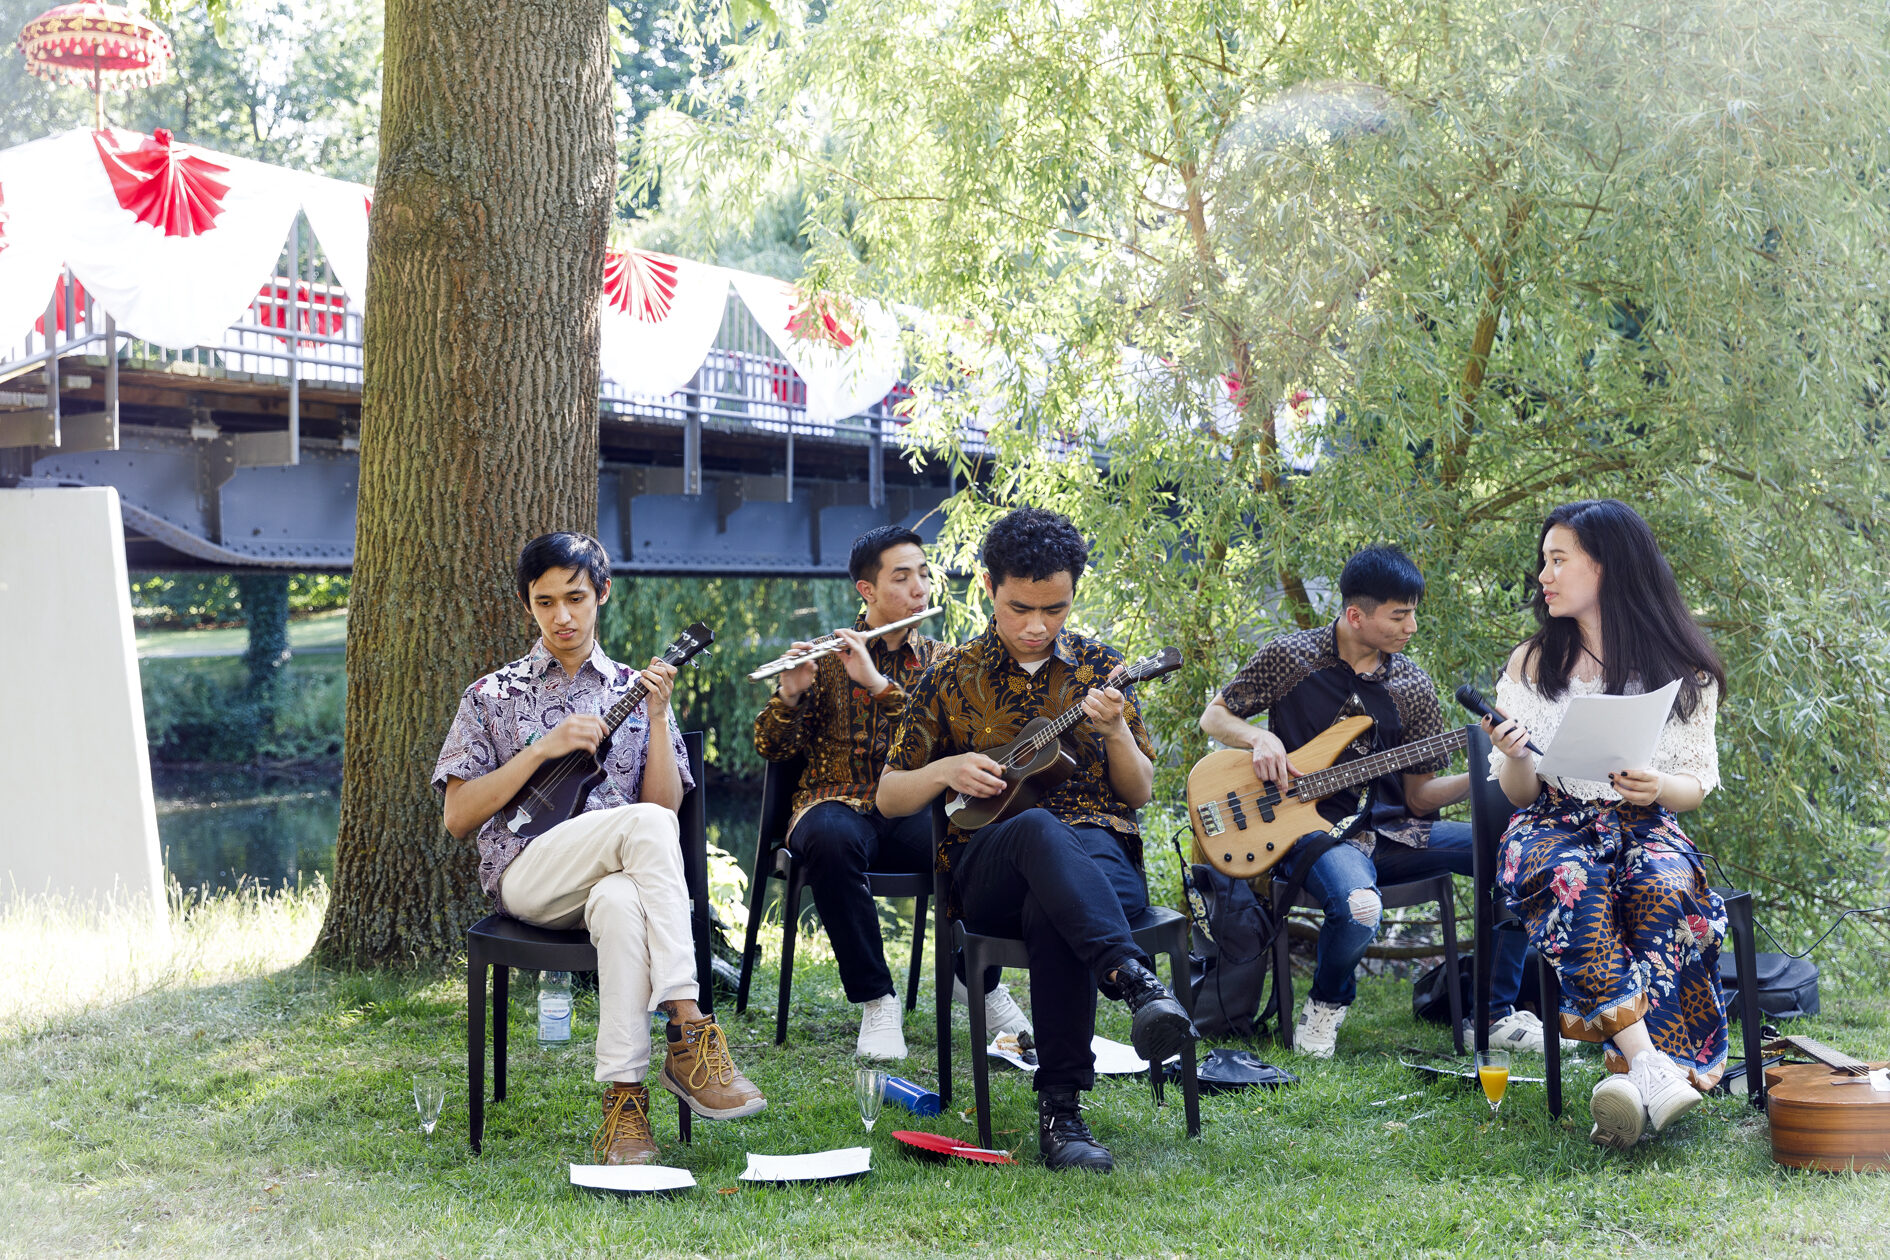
(1664, 1087)
(1619, 1112)
(1002, 1014)
(1518, 1031)
(880, 1034)
(1317, 1030)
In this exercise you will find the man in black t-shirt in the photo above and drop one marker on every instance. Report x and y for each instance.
(1306, 681)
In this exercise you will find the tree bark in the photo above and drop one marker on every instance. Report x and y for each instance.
(478, 418)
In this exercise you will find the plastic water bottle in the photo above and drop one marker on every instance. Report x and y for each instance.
(554, 1008)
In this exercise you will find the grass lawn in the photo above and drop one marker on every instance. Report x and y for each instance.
(217, 1095)
(321, 632)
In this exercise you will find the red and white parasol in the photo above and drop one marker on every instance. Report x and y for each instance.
(100, 46)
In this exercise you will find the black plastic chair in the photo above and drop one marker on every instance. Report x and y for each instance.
(1157, 930)
(501, 942)
(1490, 812)
(1417, 892)
(774, 860)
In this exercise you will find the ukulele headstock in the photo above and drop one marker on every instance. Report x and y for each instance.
(1154, 665)
(696, 639)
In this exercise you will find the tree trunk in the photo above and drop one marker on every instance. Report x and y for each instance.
(265, 598)
(478, 417)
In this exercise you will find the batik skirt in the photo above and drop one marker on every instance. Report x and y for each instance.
(1614, 896)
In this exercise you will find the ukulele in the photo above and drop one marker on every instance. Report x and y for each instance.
(1036, 762)
(1832, 1114)
(557, 790)
(1244, 825)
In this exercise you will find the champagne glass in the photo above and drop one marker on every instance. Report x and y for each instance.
(1493, 1075)
(869, 1090)
(429, 1095)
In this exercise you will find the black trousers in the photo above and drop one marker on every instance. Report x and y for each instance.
(837, 845)
(1067, 893)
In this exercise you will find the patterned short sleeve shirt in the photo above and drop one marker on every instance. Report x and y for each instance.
(976, 697)
(520, 703)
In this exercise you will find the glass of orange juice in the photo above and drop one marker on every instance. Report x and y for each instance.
(1493, 1075)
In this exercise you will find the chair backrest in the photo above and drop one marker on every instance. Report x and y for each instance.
(779, 779)
(1490, 810)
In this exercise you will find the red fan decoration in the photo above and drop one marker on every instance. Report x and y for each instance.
(640, 284)
(100, 46)
(59, 305)
(319, 311)
(3, 220)
(823, 317)
(163, 184)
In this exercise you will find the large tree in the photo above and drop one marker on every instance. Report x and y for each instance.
(1522, 254)
(478, 415)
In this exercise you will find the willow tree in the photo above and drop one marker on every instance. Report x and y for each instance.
(478, 416)
(1513, 255)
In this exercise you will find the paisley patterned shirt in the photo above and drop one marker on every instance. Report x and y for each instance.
(520, 703)
(844, 732)
(976, 697)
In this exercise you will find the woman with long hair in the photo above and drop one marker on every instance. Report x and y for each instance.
(1608, 885)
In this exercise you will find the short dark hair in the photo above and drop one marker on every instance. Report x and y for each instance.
(1378, 574)
(562, 550)
(863, 564)
(1034, 544)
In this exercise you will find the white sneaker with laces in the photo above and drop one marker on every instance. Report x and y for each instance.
(1664, 1087)
(1518, 1031)
(1317, 1030)
(1619, 1112)
(881, 1036)
(1002, 1014)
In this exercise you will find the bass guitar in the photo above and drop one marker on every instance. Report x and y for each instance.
(557, 790)
(1244, 825)
(1036, 761)
(1832, 1114)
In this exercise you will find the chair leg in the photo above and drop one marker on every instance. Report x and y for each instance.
(683, 1118)
(942, 1000)
(751, 943)
(501, 1017)
(1447, 915)
(1283, 974)
(980, 1038)
(475, 1047)
(1178, 980)
(1551, 986)
(1745, 959)
(918, 952)
(790, 921)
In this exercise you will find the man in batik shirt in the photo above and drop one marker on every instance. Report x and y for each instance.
(615, 868)
(1066, 875)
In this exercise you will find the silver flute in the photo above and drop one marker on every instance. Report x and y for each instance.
(828, 644)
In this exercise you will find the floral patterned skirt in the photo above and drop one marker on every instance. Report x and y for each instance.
(1614, 896)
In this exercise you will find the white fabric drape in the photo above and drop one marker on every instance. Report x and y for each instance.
(841, 381)
(660, 316)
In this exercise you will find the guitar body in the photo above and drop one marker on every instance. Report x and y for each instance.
(1827, 1119)
(1242, 836)
(1024, 785)
(556, 792)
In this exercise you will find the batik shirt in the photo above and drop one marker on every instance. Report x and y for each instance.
(976, 697)
(844, 732)
(519, 704)
(1306, 686)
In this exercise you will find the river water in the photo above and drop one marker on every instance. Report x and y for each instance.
(220, 828)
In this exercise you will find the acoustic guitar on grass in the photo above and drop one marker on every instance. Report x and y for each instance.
(557, 790)
(1245, 826)
(1036, 762)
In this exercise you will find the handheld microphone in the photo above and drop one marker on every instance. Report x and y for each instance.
(1470, 698)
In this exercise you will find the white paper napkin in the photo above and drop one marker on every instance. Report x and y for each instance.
(818, 1166)
(631, 1178)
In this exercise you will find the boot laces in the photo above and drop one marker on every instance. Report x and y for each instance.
(626, 1114)
(713, 1061)
(1068, 1126)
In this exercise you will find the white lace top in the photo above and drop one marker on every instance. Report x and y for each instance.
(1685, 747)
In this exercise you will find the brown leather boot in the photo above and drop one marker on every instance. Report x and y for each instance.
(625, 1137)
(699, 1071)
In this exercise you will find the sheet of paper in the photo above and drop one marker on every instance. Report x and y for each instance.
(1005, 1048)
(631, 1178)
(1112, 1057)
(1602, 734)
(849, 1161)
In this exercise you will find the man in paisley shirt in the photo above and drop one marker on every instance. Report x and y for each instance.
(840, 712)
(1066, 875)
(1307, 680)
(616, 868)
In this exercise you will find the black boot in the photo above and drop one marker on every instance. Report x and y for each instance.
(1062, 1137)
(1161, 1027)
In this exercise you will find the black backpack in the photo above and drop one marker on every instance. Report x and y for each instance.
(1233, 953)
(1788, 987)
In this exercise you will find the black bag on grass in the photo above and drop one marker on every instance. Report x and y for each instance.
(1232, 978)
(1788, 987)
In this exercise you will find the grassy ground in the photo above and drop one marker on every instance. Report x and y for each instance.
(321, 632)
(214, 1094)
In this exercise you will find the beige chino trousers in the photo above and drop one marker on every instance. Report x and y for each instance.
(619, 873)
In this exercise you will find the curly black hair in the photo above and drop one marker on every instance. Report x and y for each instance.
(1034, 544)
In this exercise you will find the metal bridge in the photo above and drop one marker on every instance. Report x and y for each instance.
(245, 455)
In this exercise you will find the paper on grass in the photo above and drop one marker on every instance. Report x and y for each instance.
(1602, 734)
(631, 1178)
(849, 1161)
(1112, 1057)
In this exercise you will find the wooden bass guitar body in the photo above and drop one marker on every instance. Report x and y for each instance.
(1832, 1115)
(1025, 784)
(1243, 831)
